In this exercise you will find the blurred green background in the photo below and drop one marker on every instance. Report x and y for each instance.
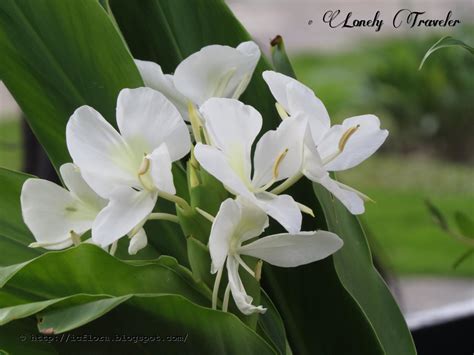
(428, 154)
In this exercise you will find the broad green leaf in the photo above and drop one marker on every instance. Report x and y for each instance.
(437, 215)
(203, 330)
(357, 273)
(58, 55)
(465, 224)
(16, 338)
(14, 234)
(89, 269)
(353, 263)
(167, 31)
(271, 325)
(445, 42)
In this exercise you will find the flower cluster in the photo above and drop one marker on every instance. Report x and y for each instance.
(116, 177)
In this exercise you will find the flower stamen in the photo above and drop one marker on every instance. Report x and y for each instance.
(281, 111)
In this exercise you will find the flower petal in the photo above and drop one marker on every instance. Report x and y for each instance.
(353, 202)
(51, 213)
(160, 169)
(100, 152)
(288, 137)
(282, 208)
(222, 230)
(216, 71)
(154, 78)
(126, 209)
(242, 300)
(216, 164)
(232, 127)
(252, 220)
(290, 250)
(359, 146)
(302, 101)
(74, 181)
(146, 119)
(277, 83)
(137, 242)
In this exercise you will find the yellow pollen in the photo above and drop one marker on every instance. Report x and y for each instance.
(345, 137)
(278, 161)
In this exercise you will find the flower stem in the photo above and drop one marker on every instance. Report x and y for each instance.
(181, 202)
(113, 248)
(164, 217)
(206, 215)
(287, 184)
(215, 290)
(225, 302)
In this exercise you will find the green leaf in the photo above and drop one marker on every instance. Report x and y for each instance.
(465, 224)
(58, 55)
(357, 273)
(89, 269)
(167, 31)
(445, 42)
(14, 234)
(15, 338)
(438, 217)
(271, 325)
(203, 330)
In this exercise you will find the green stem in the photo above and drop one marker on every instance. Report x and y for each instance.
(164, 217)
(287, 184)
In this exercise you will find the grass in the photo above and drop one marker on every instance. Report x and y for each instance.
(401, 230)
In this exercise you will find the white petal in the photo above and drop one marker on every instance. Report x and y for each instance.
(353, 202)
(74, 181)
(154, 78)
(146, 119)
(302, 101)
(298, 99)
(233, 127)
(282, 208)
(288, 136)
(126, 209)
(290, 250)
(137, 242)
(215, 163)
(242, 300)
(277, 83)
(252, 220)
(360, 145)
(216, 71)
(160, 169)
(222, 230)
(100, 152)
(51, 213)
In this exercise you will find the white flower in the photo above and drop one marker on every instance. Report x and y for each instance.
(239, 221)
(327, 148)
(58, 217)
(214, 71)
(232, 128)
(132, 168)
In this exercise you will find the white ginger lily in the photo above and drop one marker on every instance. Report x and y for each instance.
(237, 222)
(232, 128)
(327, 148)
(58, 217)
(214, 71)
(131, 168)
